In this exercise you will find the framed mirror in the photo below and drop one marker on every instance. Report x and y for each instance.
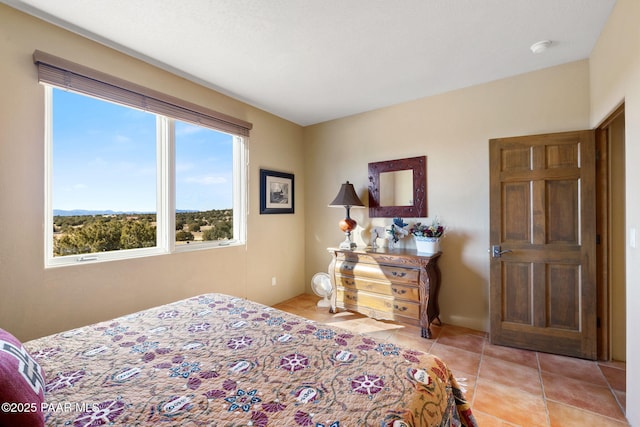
(398, 188)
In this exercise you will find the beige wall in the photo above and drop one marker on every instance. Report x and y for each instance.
(452, 130)
(35, 301)
(615, 77)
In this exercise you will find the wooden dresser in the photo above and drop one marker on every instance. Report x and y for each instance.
(392, 284)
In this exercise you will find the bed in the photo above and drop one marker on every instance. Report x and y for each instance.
(218, 360)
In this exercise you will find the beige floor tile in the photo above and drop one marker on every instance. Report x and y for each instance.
(582, 395)
(621, 397)
(403, 340)
(511, 374)
(578, 369)
(514, 355)
(486, 420)
(616, 377)
(510, 404)
(568, 416)
(469, 342)
(457, 359)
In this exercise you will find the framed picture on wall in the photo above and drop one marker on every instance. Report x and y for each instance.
(276, 192)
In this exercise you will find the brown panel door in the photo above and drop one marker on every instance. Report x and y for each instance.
(543, 237)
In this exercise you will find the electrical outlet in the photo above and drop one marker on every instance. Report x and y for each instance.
(274, 281)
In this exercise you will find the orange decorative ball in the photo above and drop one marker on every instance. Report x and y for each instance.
(347, 224)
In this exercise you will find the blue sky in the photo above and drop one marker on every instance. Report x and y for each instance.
(104, 158)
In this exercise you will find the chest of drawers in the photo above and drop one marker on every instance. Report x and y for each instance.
(396, 284)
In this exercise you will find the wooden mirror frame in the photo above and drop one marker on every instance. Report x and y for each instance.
(419, 208)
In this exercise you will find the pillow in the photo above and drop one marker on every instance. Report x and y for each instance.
(21, 385)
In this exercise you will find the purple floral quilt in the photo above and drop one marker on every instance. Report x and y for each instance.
(217, 360)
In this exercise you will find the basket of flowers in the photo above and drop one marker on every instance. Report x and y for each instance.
(427, 236)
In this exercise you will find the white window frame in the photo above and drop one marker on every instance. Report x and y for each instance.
(165, 198)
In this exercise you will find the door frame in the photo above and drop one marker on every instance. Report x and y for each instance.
(604, 206)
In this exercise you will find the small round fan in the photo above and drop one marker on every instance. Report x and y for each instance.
(321, 285)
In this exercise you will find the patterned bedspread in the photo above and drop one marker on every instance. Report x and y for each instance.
(216, 360)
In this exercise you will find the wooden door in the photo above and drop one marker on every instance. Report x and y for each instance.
(543, 237)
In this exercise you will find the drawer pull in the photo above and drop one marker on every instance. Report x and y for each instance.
(399, 291)
(351, 297)
(348, 267)
(398, 273)
(397, 307)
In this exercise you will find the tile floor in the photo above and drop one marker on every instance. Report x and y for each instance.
(506, 387)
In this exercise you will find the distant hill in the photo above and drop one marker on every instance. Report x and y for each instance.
(81, 212)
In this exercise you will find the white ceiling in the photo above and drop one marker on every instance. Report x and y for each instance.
(311, 61)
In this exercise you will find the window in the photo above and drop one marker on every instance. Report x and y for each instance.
(123, 181)
(204, 185)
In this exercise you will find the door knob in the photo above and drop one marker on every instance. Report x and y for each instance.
(496, 251)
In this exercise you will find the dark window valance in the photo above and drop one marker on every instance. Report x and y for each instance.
(69, 75)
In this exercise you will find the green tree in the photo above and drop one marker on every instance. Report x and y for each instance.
(184, 236)
(220, 231)
(137, 234)
(90, 238)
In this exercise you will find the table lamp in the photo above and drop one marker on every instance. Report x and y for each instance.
(347, 197)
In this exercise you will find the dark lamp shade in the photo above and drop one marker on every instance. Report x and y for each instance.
(346, 196)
